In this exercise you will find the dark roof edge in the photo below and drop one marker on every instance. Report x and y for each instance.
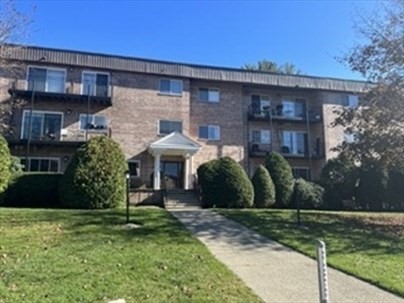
(253, 76)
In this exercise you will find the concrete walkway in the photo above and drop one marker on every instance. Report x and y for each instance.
(273, 271)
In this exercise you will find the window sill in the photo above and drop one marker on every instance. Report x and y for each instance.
(169, 94)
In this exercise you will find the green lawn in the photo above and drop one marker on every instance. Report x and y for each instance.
(87, 256)
(366, 245)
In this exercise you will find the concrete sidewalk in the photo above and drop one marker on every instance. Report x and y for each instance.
(274, 272)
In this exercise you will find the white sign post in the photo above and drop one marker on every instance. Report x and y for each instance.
(322, 272)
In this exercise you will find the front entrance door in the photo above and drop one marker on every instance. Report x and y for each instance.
(172, 174)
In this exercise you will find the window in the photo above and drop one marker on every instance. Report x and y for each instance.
(350, 136)
(93, 122)
(301, 172)
(209, 95)
(294, 143)
(292, 109)
(350, 101)
(50, 80)
(134, 168)
(167, 127)
(261, 136)
(41, 164)
(260, 105)
(95, 84)
(43, 125)
(209, 132)
(170, 87)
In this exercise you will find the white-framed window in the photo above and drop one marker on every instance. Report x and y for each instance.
(166, 127)
(41, 164)
(209, 132)
(260, 105)
(294, 143)
(292, 108)
(351, 101)
(209, 95)
(43, 125)
(46, 79)
(134, 168)
(260, 136)
(93, 122)
(95, 84)
(301, 172)
(170, 87)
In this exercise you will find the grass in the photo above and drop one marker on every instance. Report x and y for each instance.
(369, 246)
(87, 256)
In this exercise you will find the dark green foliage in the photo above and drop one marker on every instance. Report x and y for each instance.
(309, 195)
(264, 188)
(282, 176)
(338, 177)
(395, 190)
(207, 178)
(33, 190)
(372, 190)
(224, 183)
(95, 176)
(5, 162)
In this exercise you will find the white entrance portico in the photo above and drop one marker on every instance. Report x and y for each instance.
(174, 144)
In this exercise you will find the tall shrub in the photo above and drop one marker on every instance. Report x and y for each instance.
(207, 179)
(282, 176)
(95, 176)
(264, 188)
(309, 195)
(5, 163)
(236, 189)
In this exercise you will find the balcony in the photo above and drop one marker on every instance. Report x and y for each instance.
(66, 96)
(66, 138)
(277, 114)
(259, 150)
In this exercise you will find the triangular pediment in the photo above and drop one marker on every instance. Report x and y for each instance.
(175, 141)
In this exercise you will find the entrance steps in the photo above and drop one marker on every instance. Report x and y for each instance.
(181, 199)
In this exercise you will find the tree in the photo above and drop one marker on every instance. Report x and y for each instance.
(272, 67)
(14, 31)
(379, 121)
(264, 188)
(5, 163)
(282, 176)
(95, 178)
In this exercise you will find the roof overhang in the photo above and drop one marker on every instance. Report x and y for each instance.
(174, 144)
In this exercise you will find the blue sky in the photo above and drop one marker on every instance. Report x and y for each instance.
(309, 34)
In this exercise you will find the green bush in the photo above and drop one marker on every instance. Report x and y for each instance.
(309, 195)
(338, 177)
(207, 179)
(395, 189)
(95, 176)
(264, 188)
(282, 176)
(33, 190)
(5, 162)
(224, 183)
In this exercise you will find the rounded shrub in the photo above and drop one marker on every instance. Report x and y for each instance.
(95, 176)
(5, 163)
(207, 179)
(282, 176)
(308, 194)
(264, 188)
(236, 189)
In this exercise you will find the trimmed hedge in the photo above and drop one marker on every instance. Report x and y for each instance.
(308, 194)
(5, 162)
(264, 188)
(95, 178)
(282, 176)
(224, 183)
(33, 190)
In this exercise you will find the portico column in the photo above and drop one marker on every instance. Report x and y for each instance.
(156, 171)
(186, 173)
(190, 173)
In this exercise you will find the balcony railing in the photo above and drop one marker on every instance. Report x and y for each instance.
(255, 114)
(66, 96)
(259, 150)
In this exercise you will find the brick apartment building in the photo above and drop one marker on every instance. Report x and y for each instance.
(168, 117)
